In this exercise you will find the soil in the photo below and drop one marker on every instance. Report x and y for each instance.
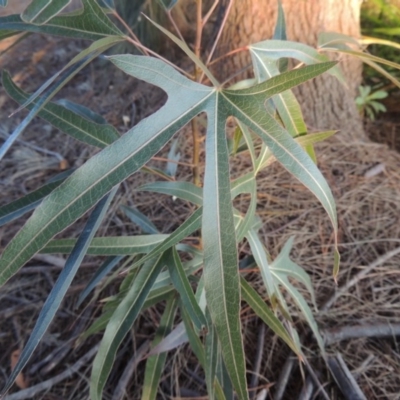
(364, 177)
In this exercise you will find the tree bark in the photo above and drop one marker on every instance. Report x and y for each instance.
(326, 103)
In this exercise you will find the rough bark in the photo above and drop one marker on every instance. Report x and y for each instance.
(326, 103)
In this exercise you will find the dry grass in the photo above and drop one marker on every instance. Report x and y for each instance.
(368, 211)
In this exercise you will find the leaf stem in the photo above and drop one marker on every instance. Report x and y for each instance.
(198, 76)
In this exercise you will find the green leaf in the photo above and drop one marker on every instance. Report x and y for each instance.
(102, 271)
(382, 71)
(108, 246)
(41, 11)
(139, 219)
(4, 34)
(286, 150)
(112, 165)
(286, 103)
(3, 3)
(189, 268)
(278, 84)
(221, 276)
(60, 288)
(192, 224)
(58, 80)
(365, 56)
(173, 340)
(257, 304)
(280, 27)
(335, 39)
(182, 190)
(283, 264)
(223, 377)
(277, 49)
(259, 254)
(283, 267)
(155, 364)
(182, 285)
(266, 157)
(92, 23)
(64, 119)
(63, 78)
(17, 208)
(211, 358)
(188, 52)
(83, 112)
(194, 340)
(120, 324)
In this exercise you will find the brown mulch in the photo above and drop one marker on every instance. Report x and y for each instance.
(368, 202)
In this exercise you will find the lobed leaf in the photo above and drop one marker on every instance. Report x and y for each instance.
(92, 23)
(112, 165)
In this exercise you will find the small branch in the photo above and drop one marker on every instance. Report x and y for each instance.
(46, 385)
(230, 53)
(284, 378)
(344, 378)
(153, 53)
(361, 331)
(210, 11)
(258, 360)
(361, 275)
(221, 28)
(307, 391)
(199, 32)
(177, 30)
(128, 28)
(196, 152)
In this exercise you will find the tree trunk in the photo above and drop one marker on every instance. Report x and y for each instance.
(326, 103)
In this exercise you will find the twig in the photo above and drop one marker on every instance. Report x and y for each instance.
(362, 274)
(344, 378)
(308, 389)
(218, 35)
(156, 55)
(361, 331)
(177, 30)
(284, 378)
(315, 381)
(46, 385)
(210, 11)
(120, 390)
(258, 360)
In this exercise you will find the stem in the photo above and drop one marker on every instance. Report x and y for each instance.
(149, 51)
(210, 11)
(197, 72)
(130, 31)
(171, 19)
(218, 35)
